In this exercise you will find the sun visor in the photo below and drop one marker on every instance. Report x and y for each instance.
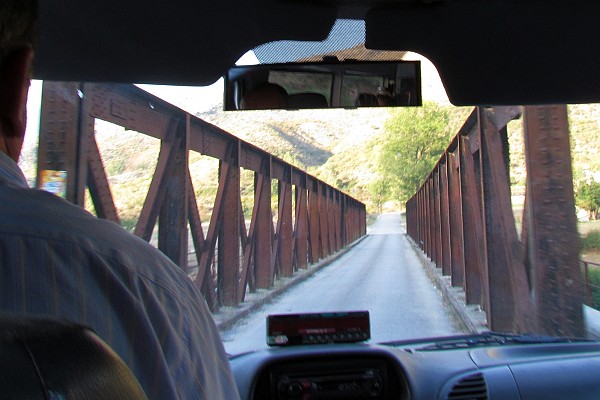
(186, 42)
(481, 65)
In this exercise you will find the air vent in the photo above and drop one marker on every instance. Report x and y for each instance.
(471, 387)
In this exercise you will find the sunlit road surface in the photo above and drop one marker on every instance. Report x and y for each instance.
(381, 274)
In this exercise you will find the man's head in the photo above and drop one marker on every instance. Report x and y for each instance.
(18, 20)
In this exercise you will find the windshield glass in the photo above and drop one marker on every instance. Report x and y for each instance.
(408, 293)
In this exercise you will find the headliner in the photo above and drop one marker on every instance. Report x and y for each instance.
(488, 52)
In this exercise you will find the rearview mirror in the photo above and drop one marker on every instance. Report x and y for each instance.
(348, 84)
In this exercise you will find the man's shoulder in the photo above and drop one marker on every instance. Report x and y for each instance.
(41, 216)
(32, 211)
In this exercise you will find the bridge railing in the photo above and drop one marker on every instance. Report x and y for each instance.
(231, 255)
(462, 218)
(589, 286)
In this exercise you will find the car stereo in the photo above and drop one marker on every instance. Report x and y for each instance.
(318, 328)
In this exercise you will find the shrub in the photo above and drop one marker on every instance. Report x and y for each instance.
(591, 241)
(595, 288)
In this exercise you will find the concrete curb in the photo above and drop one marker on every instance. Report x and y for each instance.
(471, 317)
(228, 316)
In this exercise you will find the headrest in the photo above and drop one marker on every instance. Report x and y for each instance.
(49, 359)
(265, 97)
(307, 100)
(366, 100)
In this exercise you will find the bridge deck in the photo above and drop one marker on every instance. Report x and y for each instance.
(381, 274)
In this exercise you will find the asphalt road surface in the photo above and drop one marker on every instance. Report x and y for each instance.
(381, 274)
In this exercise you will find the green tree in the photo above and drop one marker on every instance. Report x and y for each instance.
(414, 139)
(379, 189)
(588, 197)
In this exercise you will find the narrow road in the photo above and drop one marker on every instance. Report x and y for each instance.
(381, 274)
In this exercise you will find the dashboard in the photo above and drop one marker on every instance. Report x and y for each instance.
(466, 369)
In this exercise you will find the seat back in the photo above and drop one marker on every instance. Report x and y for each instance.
(307, 100)
(49, 359)
(366, 100)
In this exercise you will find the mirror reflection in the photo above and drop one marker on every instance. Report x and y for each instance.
(348, 84)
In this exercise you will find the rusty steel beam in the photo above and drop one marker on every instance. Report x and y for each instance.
(324, 220)
(508, 288)
(204, 277)
(334, 222)
(157, 190)
(431, 218)
(131, 108)
(248, 274)
(229, 234)
(314, 224)
(331, 220)
(425, 221)
(457, 263)
(59, 133)
(173, 214)
(472, 220)
(438, 217)
(196, 231)
(301, 229)
(283, 243)
(85, 132)
(552, 224)
(445, 216)
(339, 223)
(264, 230)
(100, 193)
(421, 218)
(345, 218)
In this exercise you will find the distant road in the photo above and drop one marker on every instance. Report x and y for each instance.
(381, 274)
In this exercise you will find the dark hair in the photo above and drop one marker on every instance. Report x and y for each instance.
(18, 25)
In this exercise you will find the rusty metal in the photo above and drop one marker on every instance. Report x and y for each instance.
(472, 228)
(438, 218)
(445, 224)
(529, 285)
(314, 224)
(317, 223)
(331, 220)
(248, 274)
(173, 214)
(552, 233)
(286, 228)
(323, 220)
(228, 269)
(263, 235)
(156, 192)
(58, 141)
(98, 184)
(457, 264)
(301, 229)
(504, 262)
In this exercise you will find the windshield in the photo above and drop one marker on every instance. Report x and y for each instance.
(399, 276)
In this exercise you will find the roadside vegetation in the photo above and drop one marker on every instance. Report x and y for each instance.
(594, 276)
(590, 252)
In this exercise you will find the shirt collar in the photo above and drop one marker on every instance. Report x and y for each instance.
(10, 173)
